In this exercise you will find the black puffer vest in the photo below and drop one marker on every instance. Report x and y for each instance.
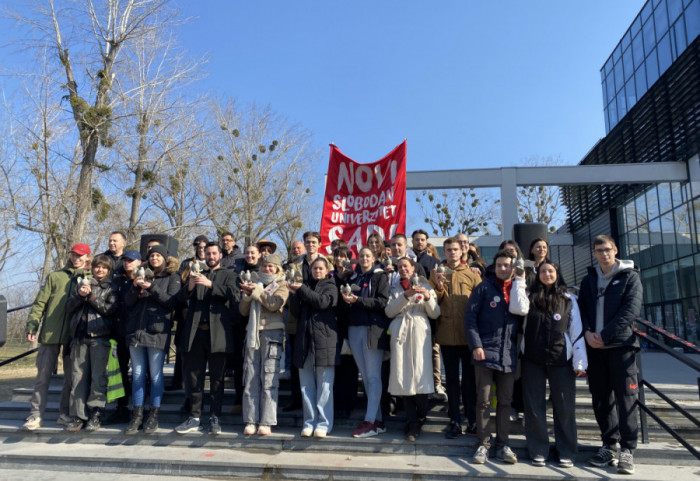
(545, 334)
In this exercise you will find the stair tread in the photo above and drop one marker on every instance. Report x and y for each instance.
(261, 463)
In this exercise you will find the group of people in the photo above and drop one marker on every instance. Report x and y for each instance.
(394, 315)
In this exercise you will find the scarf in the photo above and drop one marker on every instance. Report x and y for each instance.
(252, 338)
(505, 287)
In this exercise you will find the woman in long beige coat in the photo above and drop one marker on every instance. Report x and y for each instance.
(412, 303)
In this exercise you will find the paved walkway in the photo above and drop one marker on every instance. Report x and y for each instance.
(662, 368)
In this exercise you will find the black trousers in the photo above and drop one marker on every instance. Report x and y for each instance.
(452, 358)
(416, 408)
(612, 380)
(345, 384)
(234, 360)
(294, 384)
(123, 357)
(195, 370)
(562, 387)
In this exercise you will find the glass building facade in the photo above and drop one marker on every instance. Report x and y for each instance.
(658, 229)
(651, 91)
(662, 30)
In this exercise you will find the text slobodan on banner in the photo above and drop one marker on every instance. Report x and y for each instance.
(364, 198)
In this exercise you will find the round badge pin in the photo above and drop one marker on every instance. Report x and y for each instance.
(557, 317)
(493, 304)
(496, 299)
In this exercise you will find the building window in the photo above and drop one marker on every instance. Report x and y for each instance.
(637, 51)
(652, 203)
(665, 202)
(683, 221)
(692, 20)
(660, 21)
(664, 50)
(652, 68)
(675, 8)
(649, 37)
(668, 232)
(687, 277)
(640, 81)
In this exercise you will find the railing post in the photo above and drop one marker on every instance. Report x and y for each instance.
(640, 399)
(3, 321)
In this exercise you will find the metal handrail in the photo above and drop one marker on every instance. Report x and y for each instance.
(24, 354)
(644, 410)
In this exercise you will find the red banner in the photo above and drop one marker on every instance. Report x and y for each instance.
(364, 198)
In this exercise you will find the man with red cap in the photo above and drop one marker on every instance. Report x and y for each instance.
(49, 324)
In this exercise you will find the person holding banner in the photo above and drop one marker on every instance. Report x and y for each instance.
(367, 335)
(316, 348)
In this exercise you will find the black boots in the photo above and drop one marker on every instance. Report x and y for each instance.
(136, 418)
(151, 423)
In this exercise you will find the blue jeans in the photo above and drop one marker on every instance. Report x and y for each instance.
(369, 362)
(317, 394)
(142, 357)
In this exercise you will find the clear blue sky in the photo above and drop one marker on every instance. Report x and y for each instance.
(469, 84)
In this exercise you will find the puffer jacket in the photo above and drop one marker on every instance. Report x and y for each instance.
(314, 306)
(490, 325)
(149, 311)
(554, 339)
(96, 310)
(302, 273)
(453, 300)
(49, 308)
(369, 311)
(622, 305)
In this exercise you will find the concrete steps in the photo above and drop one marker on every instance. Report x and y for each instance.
(61, 459)
(286, 455)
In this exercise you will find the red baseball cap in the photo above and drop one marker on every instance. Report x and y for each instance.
(80, 249)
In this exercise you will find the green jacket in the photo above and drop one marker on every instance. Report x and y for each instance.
(49, 308)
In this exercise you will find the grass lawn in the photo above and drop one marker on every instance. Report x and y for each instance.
(20, 373)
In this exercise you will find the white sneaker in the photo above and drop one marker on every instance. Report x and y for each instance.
(307, 432)
(32, 424)
(481, 455)
(249, 429)
(320, 433)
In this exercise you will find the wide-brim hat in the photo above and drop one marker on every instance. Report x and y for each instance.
(264, 242)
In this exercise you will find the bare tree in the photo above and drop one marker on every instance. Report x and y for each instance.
(258, 163)
(176, 193)
(460, 210)
(97, 32)
(156, 118)
(540, 203)
(41, 172)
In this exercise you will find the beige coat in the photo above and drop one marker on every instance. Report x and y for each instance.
(271, 315)
(411, 346)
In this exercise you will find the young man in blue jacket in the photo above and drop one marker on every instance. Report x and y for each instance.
(491, 321)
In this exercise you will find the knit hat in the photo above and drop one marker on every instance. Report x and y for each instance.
(273, 259)
(160, 249)
(199, 239)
